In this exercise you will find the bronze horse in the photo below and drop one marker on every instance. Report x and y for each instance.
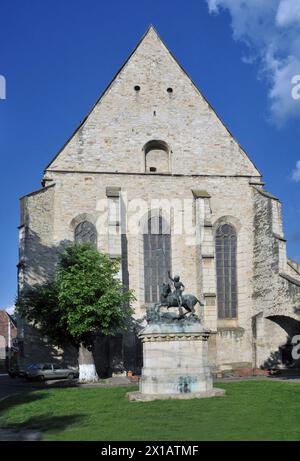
(168, 299)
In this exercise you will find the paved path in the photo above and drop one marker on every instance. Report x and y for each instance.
(289, 376)
(7, 435)
(9, 386)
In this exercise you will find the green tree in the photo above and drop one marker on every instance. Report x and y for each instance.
(85, 298)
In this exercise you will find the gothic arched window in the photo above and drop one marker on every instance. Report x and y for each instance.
(226, 246)
(157, 257)
(85, 232)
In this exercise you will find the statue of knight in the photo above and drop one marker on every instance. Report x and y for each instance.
(175, 298)
(178, 288)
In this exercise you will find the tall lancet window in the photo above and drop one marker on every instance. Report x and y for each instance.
(157, 257)
(226, 246)
(85, 232)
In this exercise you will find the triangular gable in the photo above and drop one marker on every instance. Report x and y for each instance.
(205, 156)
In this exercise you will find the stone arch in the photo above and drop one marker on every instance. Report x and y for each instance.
(273, 338)
(156, 157)
(289, 324)
(228, 219)
(86, 224)
(85, 232)
(154, 213)
(82, 217)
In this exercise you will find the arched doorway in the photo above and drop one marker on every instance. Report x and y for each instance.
(292, 328)
(272, 341)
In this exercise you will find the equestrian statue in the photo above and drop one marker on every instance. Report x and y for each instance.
(174, 298)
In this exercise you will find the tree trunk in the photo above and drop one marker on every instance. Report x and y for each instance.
(87, 369)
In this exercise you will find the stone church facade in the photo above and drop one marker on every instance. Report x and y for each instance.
(153, 176)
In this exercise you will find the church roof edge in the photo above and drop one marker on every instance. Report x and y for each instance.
(149, 29)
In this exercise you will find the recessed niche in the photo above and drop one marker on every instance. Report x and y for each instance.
(156, 157)
(137, 88)
(170, 90)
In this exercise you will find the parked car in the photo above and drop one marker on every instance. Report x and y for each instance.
(16, 372)
(45, 371)
(13, 371)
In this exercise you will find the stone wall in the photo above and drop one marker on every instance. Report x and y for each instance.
(72, 198)
(38, 251)
(276, 283)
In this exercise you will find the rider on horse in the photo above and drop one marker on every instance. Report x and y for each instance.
(179, 287)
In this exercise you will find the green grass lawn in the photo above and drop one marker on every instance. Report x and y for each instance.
(250, 410)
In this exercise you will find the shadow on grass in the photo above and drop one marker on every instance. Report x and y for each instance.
(31, 427)
(20, 397)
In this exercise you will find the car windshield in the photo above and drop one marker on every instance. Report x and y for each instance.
(34, 366)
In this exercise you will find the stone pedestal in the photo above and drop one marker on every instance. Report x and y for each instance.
(175, 362)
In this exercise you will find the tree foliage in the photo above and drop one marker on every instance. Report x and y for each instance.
(85, 298)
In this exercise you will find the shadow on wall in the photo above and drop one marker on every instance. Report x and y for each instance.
(283, 355)
(121, 353)
(43, 258)
(133, 347)
(36, 349)
(43, 261)
(109, 352)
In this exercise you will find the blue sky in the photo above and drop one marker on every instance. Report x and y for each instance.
(57, 56)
